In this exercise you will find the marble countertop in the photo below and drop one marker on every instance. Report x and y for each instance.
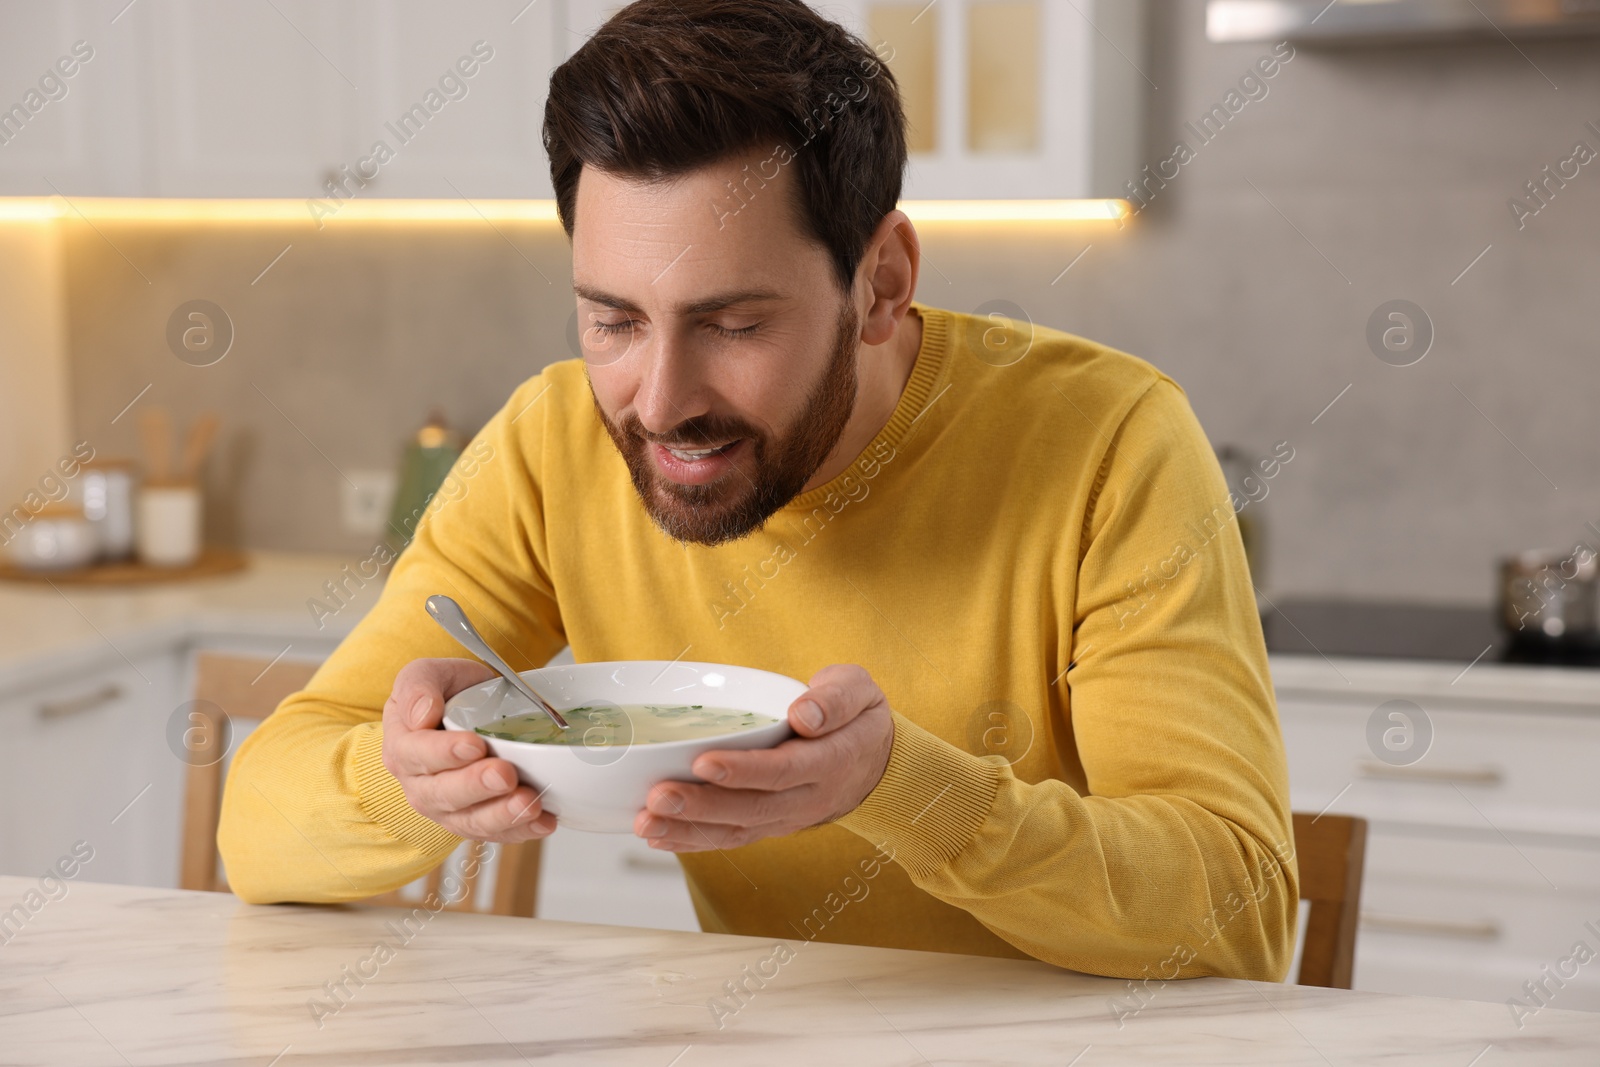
(50, 631)
(125, 975)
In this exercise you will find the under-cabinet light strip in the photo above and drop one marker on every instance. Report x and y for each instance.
(324, 212)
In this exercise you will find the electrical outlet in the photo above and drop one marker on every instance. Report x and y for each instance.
(367, 498)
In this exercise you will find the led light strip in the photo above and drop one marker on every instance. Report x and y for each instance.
(122, 209)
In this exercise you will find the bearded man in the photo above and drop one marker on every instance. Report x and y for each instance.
(1046, 742)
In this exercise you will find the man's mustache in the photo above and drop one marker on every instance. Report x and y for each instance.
(690, 438)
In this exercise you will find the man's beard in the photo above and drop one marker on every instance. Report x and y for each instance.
(731, 506)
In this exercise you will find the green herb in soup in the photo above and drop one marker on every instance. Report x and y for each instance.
(599, 726)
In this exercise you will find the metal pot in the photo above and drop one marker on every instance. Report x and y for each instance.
(1551, 597)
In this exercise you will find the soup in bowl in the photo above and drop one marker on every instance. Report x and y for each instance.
(631, 724)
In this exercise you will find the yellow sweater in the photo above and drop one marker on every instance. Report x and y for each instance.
(1038, 563)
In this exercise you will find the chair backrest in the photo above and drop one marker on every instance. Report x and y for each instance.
(246, 688)
(1330, 850)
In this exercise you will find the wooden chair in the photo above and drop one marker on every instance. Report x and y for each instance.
(1331, 850)
(249, 689)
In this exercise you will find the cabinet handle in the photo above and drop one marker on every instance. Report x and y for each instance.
(1438, 775)
(650, 863)
(60, 709)
(1485, 930)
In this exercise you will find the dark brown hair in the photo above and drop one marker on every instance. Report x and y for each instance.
(669, 86)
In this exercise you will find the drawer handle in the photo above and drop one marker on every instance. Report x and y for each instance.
(1437, 775)
(650, 863)
(60, 709)
(1486, 930)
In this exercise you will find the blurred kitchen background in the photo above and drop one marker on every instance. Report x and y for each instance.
(1363, 175)
(1333, 164)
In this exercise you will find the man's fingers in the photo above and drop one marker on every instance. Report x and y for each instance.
(448, 775)
(515, 817)
(682, 835)
(796, 762)
(836, 695)
(432, 751)
(714, 804)
(416, 702)
(450, 792)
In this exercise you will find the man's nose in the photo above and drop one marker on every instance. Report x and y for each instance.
(672, 389)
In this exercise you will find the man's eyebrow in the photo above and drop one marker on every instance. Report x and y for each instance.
(716, 302)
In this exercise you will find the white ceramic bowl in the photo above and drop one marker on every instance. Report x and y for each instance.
(58, 538)
(602, 789)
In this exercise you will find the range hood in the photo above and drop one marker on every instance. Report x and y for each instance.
(1361, 21)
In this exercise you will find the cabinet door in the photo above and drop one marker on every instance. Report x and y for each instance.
(612, 878)
(248, 99)
(1012, 99)
(87, 759)
(69, 123)
(452, 100)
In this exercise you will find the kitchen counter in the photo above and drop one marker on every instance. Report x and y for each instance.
(122, 975)
(46, 632)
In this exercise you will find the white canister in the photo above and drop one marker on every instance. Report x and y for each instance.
(105, 489)
(169, 525)
(58, 538)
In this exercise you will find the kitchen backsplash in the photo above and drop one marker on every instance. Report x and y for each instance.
(1259, 264)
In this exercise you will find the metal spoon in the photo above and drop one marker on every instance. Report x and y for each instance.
(448, 614)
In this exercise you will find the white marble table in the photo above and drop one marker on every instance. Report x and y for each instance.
(123, 975)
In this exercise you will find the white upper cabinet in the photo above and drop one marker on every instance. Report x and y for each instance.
(456, 93)
(68, 103)
(1012, 99)
(245, 99)
(416, 98)
(1004, 99)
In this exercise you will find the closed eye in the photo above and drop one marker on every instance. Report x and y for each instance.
(627, 324)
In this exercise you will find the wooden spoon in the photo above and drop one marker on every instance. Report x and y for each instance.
(201, 434)
(156, 429)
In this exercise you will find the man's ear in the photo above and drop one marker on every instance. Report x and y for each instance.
(889, 271)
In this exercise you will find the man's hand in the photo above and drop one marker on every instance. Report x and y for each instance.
(444, 772)
(815, 778)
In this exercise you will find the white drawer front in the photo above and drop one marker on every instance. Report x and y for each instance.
(1477, 918)
(1514, 771)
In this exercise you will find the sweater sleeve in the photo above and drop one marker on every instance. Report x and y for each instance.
(310, 813)
(1177, 860)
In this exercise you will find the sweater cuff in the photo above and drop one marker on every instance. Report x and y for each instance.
(385, 803)
(930, 801)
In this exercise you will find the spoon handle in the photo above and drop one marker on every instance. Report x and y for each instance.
(448, 614)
